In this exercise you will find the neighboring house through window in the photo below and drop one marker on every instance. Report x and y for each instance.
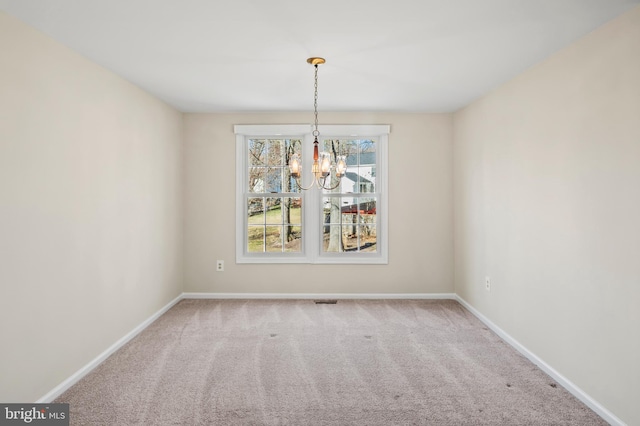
(278, 222)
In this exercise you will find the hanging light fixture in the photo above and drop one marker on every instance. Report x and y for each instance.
(322, 164)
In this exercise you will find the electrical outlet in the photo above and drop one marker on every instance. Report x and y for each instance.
(220, 265)
(487, 283)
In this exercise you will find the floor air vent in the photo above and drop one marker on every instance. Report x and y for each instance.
(326, 302)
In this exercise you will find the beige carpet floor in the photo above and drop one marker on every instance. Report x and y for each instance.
(294, 362)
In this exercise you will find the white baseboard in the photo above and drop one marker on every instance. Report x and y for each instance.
(563, 381)
(75, 377)
(319, 296)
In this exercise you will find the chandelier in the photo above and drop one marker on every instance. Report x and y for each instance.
(323, 166)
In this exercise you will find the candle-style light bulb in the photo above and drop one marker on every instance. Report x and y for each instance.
(341, 167)
(294, 165)
(325, 165)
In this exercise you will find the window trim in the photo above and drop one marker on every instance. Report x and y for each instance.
(311, 252)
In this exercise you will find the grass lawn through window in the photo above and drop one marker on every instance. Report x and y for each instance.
(269, 230)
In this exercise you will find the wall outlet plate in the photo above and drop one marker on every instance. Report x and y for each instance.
(487, 283)
(220, 265)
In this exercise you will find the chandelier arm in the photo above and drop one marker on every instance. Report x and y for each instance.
(297, 181)
(331, 188)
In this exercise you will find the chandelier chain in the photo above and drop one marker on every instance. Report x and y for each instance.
(315, 101)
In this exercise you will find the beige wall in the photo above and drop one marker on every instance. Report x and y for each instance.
(420, 211)
(90, 210)
(547, 203)
(544, 174)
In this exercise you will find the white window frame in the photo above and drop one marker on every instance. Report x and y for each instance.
(311, 250)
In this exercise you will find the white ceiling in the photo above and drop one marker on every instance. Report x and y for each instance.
(250, 55)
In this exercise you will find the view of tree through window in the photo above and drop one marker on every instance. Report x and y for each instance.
(274, 209)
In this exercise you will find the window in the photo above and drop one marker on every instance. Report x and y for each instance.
(278, 222)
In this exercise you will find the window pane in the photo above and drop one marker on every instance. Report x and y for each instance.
(293, 187)
(366, 183)
(349, 148)
(350, 237)
(255, 210)
(332, 239)
(255, 238)
(334, 147)
(367, 207)
(367, 151)
(255, 228)
(349, 205)
(292, 146)
(256, 179)
(273, 214)
(331, 209)
(274, 179)
(366, 166)
(292, 210)
(275, 152)
(257, 152)
(293, 238)
(368, 238)
(288, 183)
(359, 238)
(273, 238)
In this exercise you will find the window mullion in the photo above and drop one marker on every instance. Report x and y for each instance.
(311, 215)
